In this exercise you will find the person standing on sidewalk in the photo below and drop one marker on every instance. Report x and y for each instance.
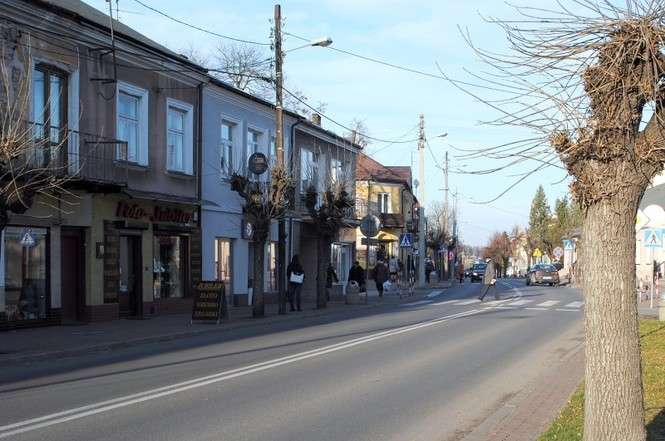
(489, 281)
(380, 275)
(357, 274)
(296, 276)
(460, 273)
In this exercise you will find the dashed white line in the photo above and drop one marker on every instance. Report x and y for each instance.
(574, 305)
(520, 302)
(434, 294)
(548, 304)
(419, 302)
(467, 302)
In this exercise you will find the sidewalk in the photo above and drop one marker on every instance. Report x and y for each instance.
(32, 344)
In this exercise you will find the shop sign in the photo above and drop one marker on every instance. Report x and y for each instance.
(209, 301)
(258, 163)
(158, 213)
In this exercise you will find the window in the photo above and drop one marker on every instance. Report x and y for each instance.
(180, 137)
(252, 142)
(271, 280)
(170, 261)
(226, 148)
(223, 262)
(49, 111)
(336, 171)
(272, 154)
(25, 272)
(309, 170)
(132, 123)
(384, 203)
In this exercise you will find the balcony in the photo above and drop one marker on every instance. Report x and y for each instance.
(392, 220)
(81, 160)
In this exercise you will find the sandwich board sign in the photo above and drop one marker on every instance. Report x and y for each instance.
(653, 238)
(209, 301)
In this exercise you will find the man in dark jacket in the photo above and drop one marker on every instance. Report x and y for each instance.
(489, 281)
(357, 274)
(380, 275)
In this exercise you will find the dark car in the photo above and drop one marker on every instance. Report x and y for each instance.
(477, 272)
(543, 274)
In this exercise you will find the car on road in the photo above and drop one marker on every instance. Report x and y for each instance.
(543, 274)
(478, 271)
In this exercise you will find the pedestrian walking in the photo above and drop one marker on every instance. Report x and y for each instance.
(489, 281)
(357, 274)
(429, 267)
(380, 275)
(460, 273)
(296, 276)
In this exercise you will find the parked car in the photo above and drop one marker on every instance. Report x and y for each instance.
(478, 271)
(543, 274)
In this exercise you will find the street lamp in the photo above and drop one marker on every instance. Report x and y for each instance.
(279, 142)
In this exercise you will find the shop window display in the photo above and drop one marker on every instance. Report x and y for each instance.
(169, 254)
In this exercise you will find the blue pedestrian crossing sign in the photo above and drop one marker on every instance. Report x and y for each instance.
(405, 240)
(653, 238)
(568, 245)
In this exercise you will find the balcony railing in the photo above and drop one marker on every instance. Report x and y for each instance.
(388, 220)
(78, 157)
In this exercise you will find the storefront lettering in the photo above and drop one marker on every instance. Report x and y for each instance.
(159, 214)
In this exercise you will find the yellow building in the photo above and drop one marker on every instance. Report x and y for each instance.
(385, 191)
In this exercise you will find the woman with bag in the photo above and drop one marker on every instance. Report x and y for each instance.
(296, 276)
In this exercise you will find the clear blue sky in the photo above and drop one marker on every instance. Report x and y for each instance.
(414, 34)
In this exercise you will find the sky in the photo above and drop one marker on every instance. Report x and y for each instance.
(415, 34)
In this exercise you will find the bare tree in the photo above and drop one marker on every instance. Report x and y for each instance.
(32, 145)
(263, 202)
(582, 77)
(358, 133)
(195, 55)
(244, 66)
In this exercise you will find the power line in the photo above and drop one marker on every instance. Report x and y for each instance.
(198, 28)
(382, 148)
(374, 60)
(297, 98)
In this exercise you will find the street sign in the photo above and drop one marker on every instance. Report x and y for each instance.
(451, 255)
(258, 163)
(27, 239)
(370, 225)
(653, 238)
(405, 240)
(537, 253)
(209, 301)
(558, 252)
(568, 245)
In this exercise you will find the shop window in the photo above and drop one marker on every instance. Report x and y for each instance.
(271, 281)
(223, 261)
(340, 258)
(170, 260)
(25, 295)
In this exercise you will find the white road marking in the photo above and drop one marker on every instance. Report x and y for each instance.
(520, 302)
(434, 294)
(574, 305)
(128, 400)
(467, 302)
(548, 304)
(446, 302)
(567, 310)
(419, 302)
(536, 309)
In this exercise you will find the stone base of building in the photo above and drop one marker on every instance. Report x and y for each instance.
(102, 313)
(168, 306)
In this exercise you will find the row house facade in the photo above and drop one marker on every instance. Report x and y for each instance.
(386, 192)
(147, 142)
(123, 237)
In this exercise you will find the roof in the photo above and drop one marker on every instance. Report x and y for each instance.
(79, 10)
(369, 169)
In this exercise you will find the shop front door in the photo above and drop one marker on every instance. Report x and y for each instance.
(130, 294)
(72, 274)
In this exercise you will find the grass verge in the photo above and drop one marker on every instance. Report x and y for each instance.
(569, 424)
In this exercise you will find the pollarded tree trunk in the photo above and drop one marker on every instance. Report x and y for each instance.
(613, 388)
(258, 307)
(322, 262)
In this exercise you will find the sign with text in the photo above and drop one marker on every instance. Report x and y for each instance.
(157, 214)
(209, 301)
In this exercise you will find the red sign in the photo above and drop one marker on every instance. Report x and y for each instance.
(158, 214)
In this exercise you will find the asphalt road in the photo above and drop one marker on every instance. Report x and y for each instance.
(431, 369)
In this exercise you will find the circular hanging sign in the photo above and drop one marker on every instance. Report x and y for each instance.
(370, 225)
(258, 163)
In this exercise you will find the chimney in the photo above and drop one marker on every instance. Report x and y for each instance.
(316, 119)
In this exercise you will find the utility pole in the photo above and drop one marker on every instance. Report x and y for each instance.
(446, 215)
(422, 248)
(279, 149)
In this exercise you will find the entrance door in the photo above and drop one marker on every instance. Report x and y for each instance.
(72, 271)
(130, 295)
